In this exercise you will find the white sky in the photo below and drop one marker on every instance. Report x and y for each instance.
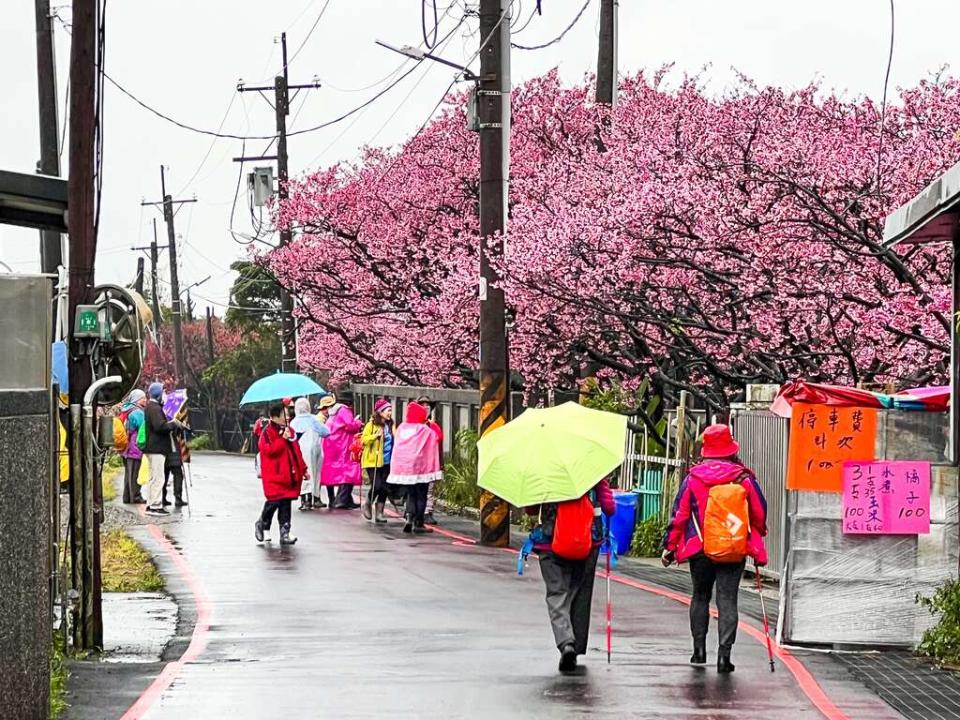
(184, 57)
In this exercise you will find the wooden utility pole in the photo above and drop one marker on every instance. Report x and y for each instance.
(281, 105)
(88, 631)
(154, 259)
(212, 394)
(176, 310)
(493, 105)
(138, 280)
(51, 256)
(607, 53)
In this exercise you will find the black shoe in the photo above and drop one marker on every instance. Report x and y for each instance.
(180, 503)
(408, 527)
(421, 530)
(167, 503)
(568, 659)
(318, 503)
(139, 501)
(157, 511)
(699, 656)
(723, 662)
(285, 538)
(429, 519)
(258, 530)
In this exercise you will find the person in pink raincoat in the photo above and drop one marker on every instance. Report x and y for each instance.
(339, 469)
(683, 542)
(415, 464)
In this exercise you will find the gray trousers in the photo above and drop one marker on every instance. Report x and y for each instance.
(726, 576)
(569, 597)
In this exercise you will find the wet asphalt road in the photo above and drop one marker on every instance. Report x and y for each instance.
(363, 622)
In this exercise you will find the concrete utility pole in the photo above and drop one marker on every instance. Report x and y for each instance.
(51, 254)
(175, 306)
(281, 105)
(607, 53)
(493, 105)
(85, 551)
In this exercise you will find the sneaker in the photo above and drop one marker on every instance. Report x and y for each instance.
(258, 531)
(157, 511)
(408, 528)
(429, 519)
(285, 537)
(365, 509)
(568, 659)
(181, 503)
(318, 503)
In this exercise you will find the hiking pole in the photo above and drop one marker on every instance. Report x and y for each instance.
(609, 605)
(766, 623)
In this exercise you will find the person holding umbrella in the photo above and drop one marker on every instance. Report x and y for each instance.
(554, 462)
(282, 470)
(719, 518)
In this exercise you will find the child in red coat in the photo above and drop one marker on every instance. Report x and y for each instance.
(282, 469)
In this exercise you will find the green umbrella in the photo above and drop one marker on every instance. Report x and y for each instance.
(552, 454)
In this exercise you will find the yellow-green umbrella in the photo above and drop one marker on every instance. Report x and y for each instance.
(551, 454)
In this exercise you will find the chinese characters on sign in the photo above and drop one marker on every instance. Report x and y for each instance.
(822, 438)
(886, 498)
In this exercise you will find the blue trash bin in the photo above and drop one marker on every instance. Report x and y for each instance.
(624, 520)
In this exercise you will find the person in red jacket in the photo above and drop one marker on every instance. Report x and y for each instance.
(282, 470)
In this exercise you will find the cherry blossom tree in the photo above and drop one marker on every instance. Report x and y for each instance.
(702, 241)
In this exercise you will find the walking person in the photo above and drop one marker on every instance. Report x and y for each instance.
(159, 445)
(131, 414)
(569, 568)
(415, 464)
(424, 400)
(282, 470)
(719, 518)
(377, 440)
(310, 432)
(340, 471)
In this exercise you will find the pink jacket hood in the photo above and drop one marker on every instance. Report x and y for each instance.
(717, 472)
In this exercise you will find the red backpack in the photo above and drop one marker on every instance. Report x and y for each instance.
(573, 529)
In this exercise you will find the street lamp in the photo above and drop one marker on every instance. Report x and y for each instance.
(419, 55)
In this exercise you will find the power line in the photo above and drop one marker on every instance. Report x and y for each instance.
(559, 37)
(309, 33)
(430, 44)
(886, 84)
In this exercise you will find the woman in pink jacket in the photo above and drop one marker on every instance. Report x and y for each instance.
(684, 541)
(339, 468)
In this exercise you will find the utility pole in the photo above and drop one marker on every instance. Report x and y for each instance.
(154, 258)
(175, 306)
(607, 53)
(281, 105)
(51, 254)
(493, 104)
(85, 550)
(212, 393)
(138, 281)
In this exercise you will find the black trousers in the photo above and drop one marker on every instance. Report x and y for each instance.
(131, 489)
(378, 484)
(331, 495)
(177, 472)
(283, 510)
(726, 576)
(569, 586)
(417, 502)
(344, 496)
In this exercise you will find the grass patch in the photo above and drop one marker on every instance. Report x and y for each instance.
(648, 538)
(108, 479)
(125, 566)
(201, 442)
(58, 679)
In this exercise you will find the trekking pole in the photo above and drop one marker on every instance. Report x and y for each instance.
(609, 605)
(766, 623)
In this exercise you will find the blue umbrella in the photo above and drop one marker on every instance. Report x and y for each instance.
(279, 386)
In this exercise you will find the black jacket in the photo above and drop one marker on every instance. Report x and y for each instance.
(159, 430)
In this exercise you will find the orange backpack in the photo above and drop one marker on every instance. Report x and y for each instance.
(726, 522)
(573, 529)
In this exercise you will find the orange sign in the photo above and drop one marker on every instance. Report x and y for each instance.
(822, 438)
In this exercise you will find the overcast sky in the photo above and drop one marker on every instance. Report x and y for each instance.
(184, 57)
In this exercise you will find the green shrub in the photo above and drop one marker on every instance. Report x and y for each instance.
(648, 537)
(942, 641)
(58, 679)
(113, 461)
(458, 488)
(200, 442)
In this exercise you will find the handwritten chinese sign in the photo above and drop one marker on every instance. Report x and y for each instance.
(886, 498)
(822, 438)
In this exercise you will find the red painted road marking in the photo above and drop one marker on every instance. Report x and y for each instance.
(198, 641)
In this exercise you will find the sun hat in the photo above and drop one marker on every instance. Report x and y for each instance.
(718, 442)
(328, 401)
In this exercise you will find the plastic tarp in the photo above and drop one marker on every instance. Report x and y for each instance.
(932, 399)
